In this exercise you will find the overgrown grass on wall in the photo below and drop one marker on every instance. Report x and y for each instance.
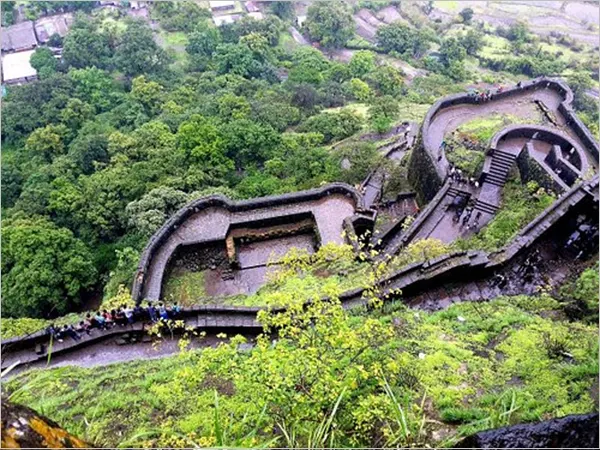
(468, 368)
(520, 205)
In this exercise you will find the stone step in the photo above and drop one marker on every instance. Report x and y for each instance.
(503, 154)
(493, 178)
(485, 207)
(503, 159)
(502, 163)
(499, 169)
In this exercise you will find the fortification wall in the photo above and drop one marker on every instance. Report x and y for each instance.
(411, 279)
(436, 167)
(179, 219)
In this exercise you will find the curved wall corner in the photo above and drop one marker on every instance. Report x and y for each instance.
(218, 214)
(434, 172)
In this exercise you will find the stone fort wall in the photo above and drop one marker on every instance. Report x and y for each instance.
(426, 174)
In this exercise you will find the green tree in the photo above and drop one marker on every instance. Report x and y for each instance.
(44, 62)
(202, 44)
(150, 212)
(451, 50)
(309, 66)
(358, 159)
(386, 80)
(360, 90)
(181, 15)
(233, 106)
(95, 86)
(45, 269)
(55, 40)
(148, 93)
(204, 146)
(90, 147)
(330, 23)
(237, 59)
(7, 11)
(472, 41)
(12, 179)
(86, 46)
(47, 142)
(249, 143)
(402, 39)
(467, 15)
(362, 62)
(334, 126)
(282, 9)
(382, 113)
(76, 113)
(519, 33)
(137, 52)
(275, 111)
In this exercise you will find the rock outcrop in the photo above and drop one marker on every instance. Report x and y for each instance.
(576, 431)
(22, 427)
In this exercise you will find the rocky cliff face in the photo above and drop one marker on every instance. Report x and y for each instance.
(576, 431)
(22, 427)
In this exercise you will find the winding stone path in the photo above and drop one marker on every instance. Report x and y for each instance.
(448, 114)
(432, 284)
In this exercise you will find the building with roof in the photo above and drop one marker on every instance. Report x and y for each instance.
(16, 68)
(226, 19)
(19, 37)
(256, 15)
(137, 5)
(221, 5)
(252, 7)
(47, 26)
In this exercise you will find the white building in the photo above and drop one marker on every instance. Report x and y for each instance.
(229, 18)
(256, 15)
(16, 68)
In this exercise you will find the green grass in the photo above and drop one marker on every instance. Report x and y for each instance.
(470, 161)
(495, 47)
(520, 205)
(287, 42)
(447, 6)
(484, 128)
(359, 108)
(175, 38)
(494, 360)
(413, 111)
(187, 288)
(23, 326)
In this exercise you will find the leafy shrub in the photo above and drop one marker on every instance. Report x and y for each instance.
(461, 415)
(334, 126)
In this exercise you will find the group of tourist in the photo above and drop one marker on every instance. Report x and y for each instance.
(488, 94)
(466, 218)
(526, 271)
(584, 239)
(122, 316)
(456, 176)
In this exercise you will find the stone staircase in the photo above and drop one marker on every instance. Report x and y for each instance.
(485, 207)
(501, 164)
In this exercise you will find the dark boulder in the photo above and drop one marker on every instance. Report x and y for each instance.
(576, 431)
